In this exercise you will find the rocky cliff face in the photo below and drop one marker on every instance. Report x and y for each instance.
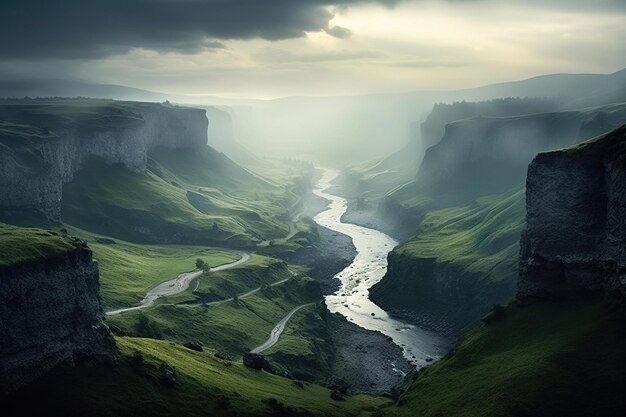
(35, 181)
(575, 239)
(484, 156)
(433, 128)
(50, 315)
(440, 296)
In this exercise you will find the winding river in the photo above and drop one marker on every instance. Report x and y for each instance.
(368, 267)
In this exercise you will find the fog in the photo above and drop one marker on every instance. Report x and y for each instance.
(349, 129)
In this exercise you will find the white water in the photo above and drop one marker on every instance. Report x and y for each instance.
(368, 267)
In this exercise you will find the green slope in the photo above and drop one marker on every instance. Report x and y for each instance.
(205, 386)
(233, 326)
(542, 360)
(482, 237)
(461, 261)
(20, 244)
(166, 206)
(129, 270)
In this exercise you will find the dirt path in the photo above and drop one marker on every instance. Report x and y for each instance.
(177, 285)
(278, 330)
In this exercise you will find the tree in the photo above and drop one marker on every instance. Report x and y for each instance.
(201, 265)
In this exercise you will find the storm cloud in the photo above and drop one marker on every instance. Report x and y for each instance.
(99, 28)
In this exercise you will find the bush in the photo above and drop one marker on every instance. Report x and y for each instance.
(167, 375)
(147, 328)
(197, 346)
(201, 265)
(337, 395)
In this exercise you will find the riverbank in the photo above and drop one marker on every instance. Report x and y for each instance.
(364, 359)
(351, 300)
(367, 360)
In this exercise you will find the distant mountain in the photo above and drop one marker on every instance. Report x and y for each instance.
(343, 129)
(576, 89)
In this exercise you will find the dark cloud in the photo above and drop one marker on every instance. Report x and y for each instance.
(98, 28)
(339, 32)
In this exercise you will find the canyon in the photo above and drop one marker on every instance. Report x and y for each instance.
(44, 144)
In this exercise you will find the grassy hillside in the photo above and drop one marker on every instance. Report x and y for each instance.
(461, 261)
(80, 114)
(482, 237)
(258, 272)
(182, 200)
(542, 360)
(234, 326)
(20, 244)
(128, 270)
(205, 386)
(304, 349)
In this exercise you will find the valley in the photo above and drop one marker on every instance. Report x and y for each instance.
(146, 273)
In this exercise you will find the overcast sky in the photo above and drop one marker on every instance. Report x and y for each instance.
(265, 49)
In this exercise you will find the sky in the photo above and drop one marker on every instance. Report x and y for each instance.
(268, 49)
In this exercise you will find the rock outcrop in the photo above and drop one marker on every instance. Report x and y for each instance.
(575, 238)
(50, 315)
(40, 152)
(486, 155)
(433, 128)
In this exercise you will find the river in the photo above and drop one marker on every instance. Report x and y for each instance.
(368, 267)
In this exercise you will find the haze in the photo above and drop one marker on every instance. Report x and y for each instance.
(355, 72)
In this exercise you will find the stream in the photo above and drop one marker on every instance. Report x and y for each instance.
(419, 346)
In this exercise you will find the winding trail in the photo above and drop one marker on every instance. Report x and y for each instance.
(278, 330)
(177, 285)
(244, 295)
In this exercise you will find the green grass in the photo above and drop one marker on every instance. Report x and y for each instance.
(205, 386)
(155, 208)
(482, 237)
(128, 270)
(83, 115)
(20, 244)
(305, 349)
(410, 196)
(216, 285)
(542, 360)
(233, 326)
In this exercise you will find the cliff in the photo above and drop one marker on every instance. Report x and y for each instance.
(50, 310)
(487, 155)
(434, 127)
(575, 225)
(460, 262)
(463, 254)
(43, 143)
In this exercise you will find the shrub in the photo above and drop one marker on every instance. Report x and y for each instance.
(167, 375)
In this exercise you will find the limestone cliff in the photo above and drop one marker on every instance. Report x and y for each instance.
(575, 238)
(488, 155)
(433, 128)
(463, 254)
(43, 144)
(50, 315)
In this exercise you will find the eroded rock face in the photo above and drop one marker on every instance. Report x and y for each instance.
(50, 314)
(59, 156)
(440, 296)
(483, 156)
(574, 243)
